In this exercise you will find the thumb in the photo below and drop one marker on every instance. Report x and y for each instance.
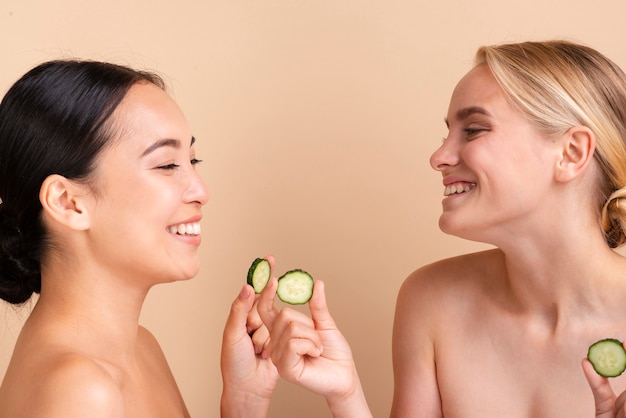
(239, 310)
(319, 309)
(602, 393)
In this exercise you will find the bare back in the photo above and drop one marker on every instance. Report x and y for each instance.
(465, 347)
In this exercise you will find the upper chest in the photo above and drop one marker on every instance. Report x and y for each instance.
(499, 365)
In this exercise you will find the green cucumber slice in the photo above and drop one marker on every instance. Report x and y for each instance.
(259, 274)
(608, 357)
(295, 287)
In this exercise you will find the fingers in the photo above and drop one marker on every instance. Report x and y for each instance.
(602, 392)
(271, 260)
(319, 309)
(288, 324)
(620, 403)
(265, 305)
(293, 341)
(290, 356)
(239, 311)
(254, 319)
(293, 325)
(260, 338)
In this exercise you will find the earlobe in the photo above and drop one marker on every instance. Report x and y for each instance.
(577, 151)
(62, 199)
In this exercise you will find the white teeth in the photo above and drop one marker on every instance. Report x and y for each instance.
(185, 229)
(458, 188)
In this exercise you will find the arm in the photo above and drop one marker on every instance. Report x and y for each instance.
(416, 392)
(313, 353)
(248, 379)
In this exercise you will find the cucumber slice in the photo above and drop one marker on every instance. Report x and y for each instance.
(608, 357)
(259, 274)
(295, 287)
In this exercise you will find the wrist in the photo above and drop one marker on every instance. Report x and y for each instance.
(352, 404)
(242, 404)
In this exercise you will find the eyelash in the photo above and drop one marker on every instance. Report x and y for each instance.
(193, 161)
(469, 133)
(472, 131)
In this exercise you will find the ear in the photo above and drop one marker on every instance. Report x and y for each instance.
(64, 201)
(578, 146)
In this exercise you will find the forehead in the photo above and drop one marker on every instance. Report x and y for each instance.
(148, 114)
(476, 92)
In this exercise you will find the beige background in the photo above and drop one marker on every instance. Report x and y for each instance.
(315, 120)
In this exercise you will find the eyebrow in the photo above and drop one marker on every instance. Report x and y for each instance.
(467, 112)
(168, 142)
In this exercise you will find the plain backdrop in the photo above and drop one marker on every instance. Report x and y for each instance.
(315, 120)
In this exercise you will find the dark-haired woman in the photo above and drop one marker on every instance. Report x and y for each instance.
(100, 202)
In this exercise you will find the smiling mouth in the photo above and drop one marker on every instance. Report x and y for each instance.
(458, 188)
(185, 229)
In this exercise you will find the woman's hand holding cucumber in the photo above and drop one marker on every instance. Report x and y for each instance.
(311, 351)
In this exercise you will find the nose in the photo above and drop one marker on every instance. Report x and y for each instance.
(447, 155)
(196, 190)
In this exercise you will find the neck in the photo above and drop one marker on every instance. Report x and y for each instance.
(97, 312)
(558, 279)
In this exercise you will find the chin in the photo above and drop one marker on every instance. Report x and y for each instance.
(446, 226)
(182, 275)
(190, 274)
(449, 227)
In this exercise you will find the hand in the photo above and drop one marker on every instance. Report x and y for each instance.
(607, 404)
(248, 379)
(312, 352)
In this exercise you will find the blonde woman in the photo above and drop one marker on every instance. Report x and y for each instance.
(534, 163)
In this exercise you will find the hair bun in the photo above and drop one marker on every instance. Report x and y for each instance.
(614, 218)
(19, 274)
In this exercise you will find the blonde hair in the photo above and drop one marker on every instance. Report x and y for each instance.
(559, 85)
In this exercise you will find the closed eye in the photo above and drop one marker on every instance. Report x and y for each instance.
(471, 133)
(168, 166)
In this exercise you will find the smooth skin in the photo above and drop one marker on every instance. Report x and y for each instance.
(608, 405)
(312, 352)
(248, 377)
(82, 351)
(82, 348)
(502, 332)
(498, 333)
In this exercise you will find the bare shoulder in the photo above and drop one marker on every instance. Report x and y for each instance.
(433, 303)
(65, 385)
(460, 273)
(448, 287)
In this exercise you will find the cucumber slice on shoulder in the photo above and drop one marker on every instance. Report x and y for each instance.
(259, 274)
(608, 357)
(295, 287)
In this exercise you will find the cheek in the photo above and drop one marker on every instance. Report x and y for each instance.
(485, 162)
